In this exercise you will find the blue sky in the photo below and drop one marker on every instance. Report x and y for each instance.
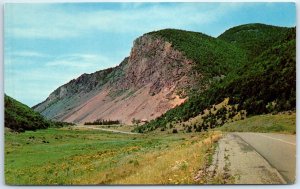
(47, 45)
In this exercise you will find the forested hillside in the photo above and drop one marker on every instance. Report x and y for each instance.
(213, 57)
(262, 81)
(20, 117)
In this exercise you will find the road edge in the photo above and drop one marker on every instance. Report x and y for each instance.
(281, 177)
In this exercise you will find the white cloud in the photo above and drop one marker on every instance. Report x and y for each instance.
(40, 32)
(82, 61)
(29, 54)
(13, 59)
(48, 21)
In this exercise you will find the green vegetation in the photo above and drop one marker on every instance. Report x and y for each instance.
(279, 123)
(271, 78)
(255, 38)
(135, 121)
(259, 84)
(67, 156)
(217, 116)
(103, 122)
(20, 117)
(213, 57)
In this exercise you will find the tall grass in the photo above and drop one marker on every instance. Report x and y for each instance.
(68, 156)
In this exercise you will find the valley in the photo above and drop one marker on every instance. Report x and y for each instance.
(111, 154)
(178, 105)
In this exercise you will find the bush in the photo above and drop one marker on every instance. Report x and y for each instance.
(103, 122)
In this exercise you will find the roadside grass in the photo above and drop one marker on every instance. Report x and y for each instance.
(83, 157)
(280, 123)
(178, 165)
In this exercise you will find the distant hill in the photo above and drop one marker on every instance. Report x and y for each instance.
(20, 117)
(172, 76)
(255, 38)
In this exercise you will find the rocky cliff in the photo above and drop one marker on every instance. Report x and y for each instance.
(152, 80)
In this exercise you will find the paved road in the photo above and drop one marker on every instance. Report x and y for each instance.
(102, 129)
(241, 161)
(278, 149)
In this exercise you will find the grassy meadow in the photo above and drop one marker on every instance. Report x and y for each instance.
(82, 156)
(66, 156)
(279, 123)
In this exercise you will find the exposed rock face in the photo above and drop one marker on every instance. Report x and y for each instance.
(143, 86)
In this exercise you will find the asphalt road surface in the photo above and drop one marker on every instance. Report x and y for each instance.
(278, 149)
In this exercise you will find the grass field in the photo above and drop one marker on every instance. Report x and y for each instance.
(67, 156)
(279, 123)
(80, 156)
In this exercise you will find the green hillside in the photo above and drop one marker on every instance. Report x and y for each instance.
(213, 57)
(255, 38)
(270, 78)
(262, 81)
(20, 117)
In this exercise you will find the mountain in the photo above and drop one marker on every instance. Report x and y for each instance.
(173, 75)
(157, 76)
(20, 117)
(265, 83)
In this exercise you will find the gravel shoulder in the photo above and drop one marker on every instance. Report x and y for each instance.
(236, 158)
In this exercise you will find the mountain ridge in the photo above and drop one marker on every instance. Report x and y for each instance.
(141, 74)
(164, 69)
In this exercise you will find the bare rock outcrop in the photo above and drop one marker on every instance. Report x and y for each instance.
(144, 86)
